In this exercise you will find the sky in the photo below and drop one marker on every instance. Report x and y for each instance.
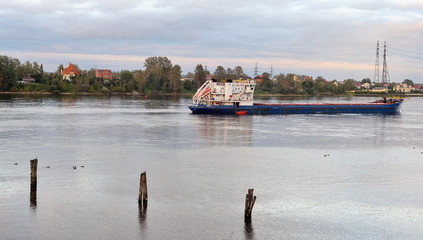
(335, 39)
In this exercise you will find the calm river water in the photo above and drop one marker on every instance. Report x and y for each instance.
(315, 176)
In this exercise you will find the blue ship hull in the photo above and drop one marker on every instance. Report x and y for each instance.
(319, 108)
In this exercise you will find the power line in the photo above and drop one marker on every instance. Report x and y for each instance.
(376, 76)
(385, 74)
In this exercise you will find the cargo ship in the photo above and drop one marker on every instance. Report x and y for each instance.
(236, 97)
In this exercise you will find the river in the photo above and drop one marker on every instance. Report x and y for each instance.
(315, 176)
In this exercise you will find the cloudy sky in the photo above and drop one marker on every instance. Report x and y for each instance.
(335, 39)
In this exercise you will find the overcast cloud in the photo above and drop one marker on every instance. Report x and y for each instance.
(333, 39)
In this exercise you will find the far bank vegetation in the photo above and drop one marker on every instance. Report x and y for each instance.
(159, 76)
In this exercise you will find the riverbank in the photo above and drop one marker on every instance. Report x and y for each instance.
(134, 93)
(98, 94)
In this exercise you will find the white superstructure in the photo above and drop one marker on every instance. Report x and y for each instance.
(235, 92)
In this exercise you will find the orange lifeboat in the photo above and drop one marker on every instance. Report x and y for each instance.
(241, 113)
(202, 94)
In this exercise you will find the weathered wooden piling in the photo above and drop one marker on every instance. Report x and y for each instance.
(249, 204)
(34, 164)
(143, 195)
(33, 193)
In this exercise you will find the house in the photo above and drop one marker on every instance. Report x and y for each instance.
(301, 78)
(258, 78)
(26, 79)
(403, 87)
(357, 85)
(70, 72)
(365, 85)
(379, 90)
(106, 74)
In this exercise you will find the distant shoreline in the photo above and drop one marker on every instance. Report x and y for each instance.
(96, 94)
(188, 94)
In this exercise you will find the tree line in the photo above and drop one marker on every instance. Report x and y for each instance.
(158, 76)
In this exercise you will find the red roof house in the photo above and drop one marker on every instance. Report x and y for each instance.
(105, 74)
(69, 72)
(258, 78)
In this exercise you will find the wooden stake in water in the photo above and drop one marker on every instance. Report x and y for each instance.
(143, 195)
(33, 194)
(34, 164)
(249, 204)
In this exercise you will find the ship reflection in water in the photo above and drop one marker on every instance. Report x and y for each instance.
(226, 130)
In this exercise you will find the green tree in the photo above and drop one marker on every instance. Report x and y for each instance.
(199, 75)
(44, 76)
(239, 72)
(320, 87)
(139, 79)
(348, 85)
(320, 79)
(8, 75)
(366, 80)
(290, 82)
(188, 84)
(408, 82)
(60, 68)
(25, 69)
(219, 73)
(230, 74)
(279, 78)
(81, 83)
(157, 70)
(266, 84)
(190, 76)
(308, 86)
(126, 76)
(37, 72)
(91, 73)
(334, 87)
(127, 79)
(175, 78)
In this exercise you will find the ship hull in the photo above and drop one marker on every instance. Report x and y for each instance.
(318, 108)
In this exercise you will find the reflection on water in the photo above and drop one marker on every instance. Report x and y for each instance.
(142, 218)
(317, 176)
(33, 196)
(249, 231)
(224, 129)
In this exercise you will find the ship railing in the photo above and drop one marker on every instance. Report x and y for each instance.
(247, 81)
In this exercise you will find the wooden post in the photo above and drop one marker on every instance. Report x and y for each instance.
(249, 204)
(143, 195)
(34, 164)
(33, 194)
(144, 188)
